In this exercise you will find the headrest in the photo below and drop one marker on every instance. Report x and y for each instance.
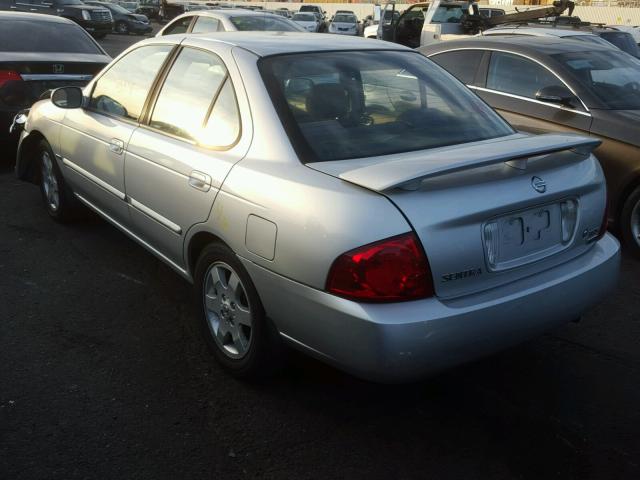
(328, 101)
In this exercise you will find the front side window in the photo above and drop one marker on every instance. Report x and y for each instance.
(123, 89)
(343, 105)
(206, 24)
(517, 75)
(462, 64)
(179, 26)
(271, 23)
(197, 101)
(613, 77)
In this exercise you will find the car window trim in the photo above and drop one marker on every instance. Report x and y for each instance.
(156, 88)
(492, 49)
(527, 99)
(144, 105)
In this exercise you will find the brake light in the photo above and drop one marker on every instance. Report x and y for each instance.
(8, 76)
(391, 270)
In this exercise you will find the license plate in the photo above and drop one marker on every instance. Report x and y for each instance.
(523, 237)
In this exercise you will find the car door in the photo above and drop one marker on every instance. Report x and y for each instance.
(93, 140)
(177, 160)
(512, 81)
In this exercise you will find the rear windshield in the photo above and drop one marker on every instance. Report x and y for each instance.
(624, 41)
(610, 76)
(344, 19)
(271, 23)
(304, 17)
(33, 36)
(344, 105)
(591, 39)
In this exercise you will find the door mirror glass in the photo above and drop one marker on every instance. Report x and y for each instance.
(67, 97)
(557, 94)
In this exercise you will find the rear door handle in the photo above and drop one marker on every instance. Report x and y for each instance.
(116, 146)
(200, 181)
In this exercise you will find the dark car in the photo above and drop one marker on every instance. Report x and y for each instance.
(95, 20)
(123, 20)
(38, 53)
(548, 84)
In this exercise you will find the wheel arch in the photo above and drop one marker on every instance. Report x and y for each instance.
(196, 244)
(26, 168)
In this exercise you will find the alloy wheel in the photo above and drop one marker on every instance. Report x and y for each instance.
(49, 182)
(635, 223)
(227, 310)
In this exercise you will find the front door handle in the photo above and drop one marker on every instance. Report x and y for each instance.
(116, 146)
(200, 181)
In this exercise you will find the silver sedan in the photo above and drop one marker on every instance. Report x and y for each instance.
(348, 198)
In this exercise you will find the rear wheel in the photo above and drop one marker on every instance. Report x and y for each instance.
(58, 197)
(231, 315)
(630, 223)
(122, 27)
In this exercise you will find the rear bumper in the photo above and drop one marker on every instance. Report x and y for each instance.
(405, 341)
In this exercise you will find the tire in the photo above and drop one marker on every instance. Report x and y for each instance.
(59, 199)
(630, 223)
(122, 28)
(233, 320)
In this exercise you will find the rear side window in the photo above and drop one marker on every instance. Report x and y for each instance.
(517, 75)
(197, 101)
(123, 89)
(624, 41)
(462, 64)
(206, 24)
(34, 36)
(179, 26)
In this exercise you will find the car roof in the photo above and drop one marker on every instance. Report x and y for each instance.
(34, 17)
(230, 12)
(528, 45)
(274, 43)
(538, 31)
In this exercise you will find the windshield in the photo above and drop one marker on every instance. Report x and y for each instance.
(270, 23)
(344, 19)
(613, 77)
(113, 7)
(34, 36)
(448, 14)
(624, 41)
(344, 105)
(590, 39)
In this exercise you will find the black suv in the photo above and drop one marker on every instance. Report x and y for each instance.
(95, 20)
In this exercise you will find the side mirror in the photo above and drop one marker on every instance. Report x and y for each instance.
(67, 97)
(557, 94)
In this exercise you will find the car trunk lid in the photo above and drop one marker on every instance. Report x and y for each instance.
(37, 76)
(491, 212)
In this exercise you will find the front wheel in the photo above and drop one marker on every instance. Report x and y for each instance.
(58, 198)
(231, 315)
(630, 223)
(122, 28)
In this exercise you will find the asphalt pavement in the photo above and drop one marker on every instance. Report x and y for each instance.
(103, 375)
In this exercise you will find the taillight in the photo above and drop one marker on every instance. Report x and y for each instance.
(391, 270)
(8, 76)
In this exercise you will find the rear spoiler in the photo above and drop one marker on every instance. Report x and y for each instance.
(409, 171)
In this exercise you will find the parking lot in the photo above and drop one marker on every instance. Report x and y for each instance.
(104, 375)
